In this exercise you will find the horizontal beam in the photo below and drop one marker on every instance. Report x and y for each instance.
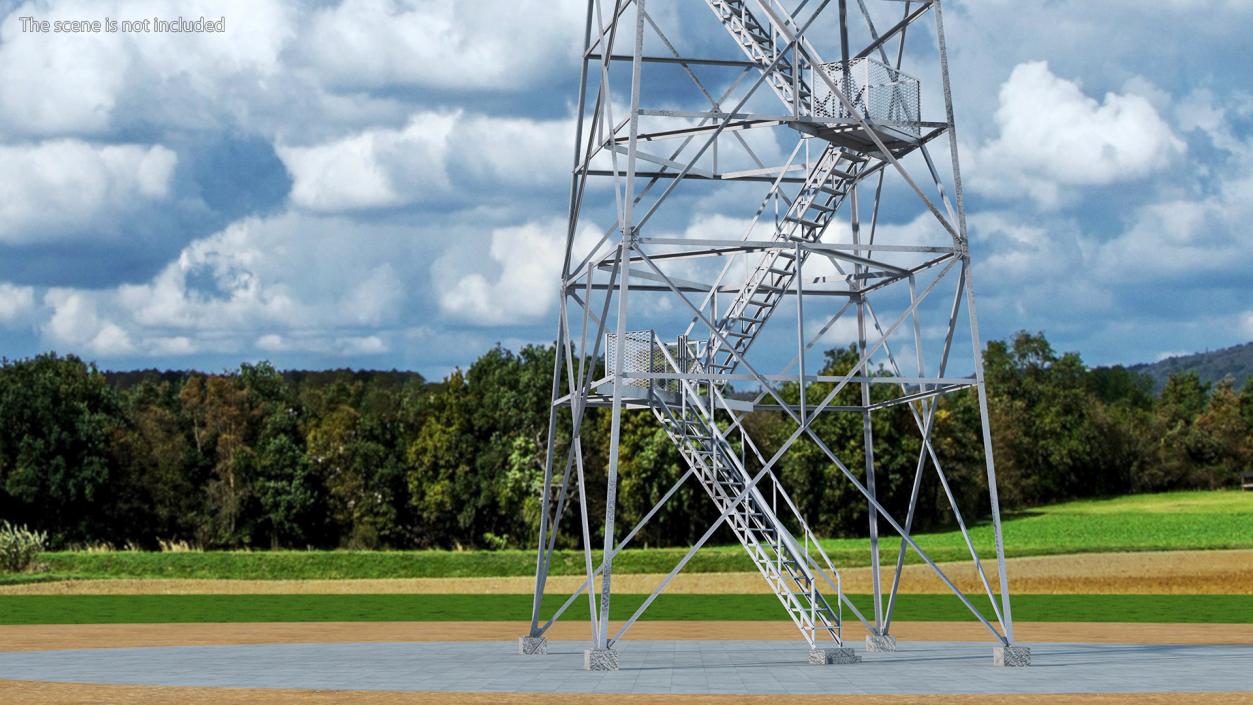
(660, 161)
(790, 245)
(696, 130)
(789, 120)
(721, 290)
(737, 63)
(744, 377)
(947, 389)
(698, 177)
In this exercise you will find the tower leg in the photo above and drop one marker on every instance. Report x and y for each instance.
(543, 541)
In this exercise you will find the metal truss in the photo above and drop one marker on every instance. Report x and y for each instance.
(812, 251)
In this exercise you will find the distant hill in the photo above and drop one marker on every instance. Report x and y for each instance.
(1235, 362)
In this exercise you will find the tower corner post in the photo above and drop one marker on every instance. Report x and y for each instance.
(602, 656)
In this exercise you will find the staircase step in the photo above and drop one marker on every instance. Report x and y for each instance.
(803, 222)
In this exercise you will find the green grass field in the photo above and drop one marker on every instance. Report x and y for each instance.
(1171, 521)
(135, 609)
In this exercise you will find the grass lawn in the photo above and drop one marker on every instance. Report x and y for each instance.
(131, 609)
(1170, 521)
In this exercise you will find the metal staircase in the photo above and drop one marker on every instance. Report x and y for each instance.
(793, 568)
(805, 220)
(789, 566)
(807, 216)
(758, 42)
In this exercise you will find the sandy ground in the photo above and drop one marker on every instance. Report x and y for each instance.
(83, 636)
(1166, 572)
(21, 693)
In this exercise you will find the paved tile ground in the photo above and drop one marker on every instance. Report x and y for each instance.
(736, 667)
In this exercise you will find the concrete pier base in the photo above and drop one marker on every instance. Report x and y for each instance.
(1011, 656)
(826, 657)
(532, 645)
(600, 660)
(881, 643)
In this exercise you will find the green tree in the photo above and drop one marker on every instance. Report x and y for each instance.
(290, 499)
(159, 475)
(222, 421)
(356, 455)
(649, 464)
(1246, 404)
(57, 421)
(1221, 445)
(442, 487)
(1052, 438)
(1181, 453)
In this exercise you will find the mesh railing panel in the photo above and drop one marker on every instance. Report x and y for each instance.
(879, 93)
(642, 353)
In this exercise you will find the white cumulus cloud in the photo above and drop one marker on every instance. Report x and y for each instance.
(1186, 239)
(436, 157)
(289, 282)
(497, 44)
(517, 283)
(1053, 137)
(73, 83)
(16, 302)
(51, 188)
(77, 324)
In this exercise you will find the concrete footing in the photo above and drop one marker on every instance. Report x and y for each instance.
(825, 657)
(532, 645)
(882, 642)
(1011, 656)
(600, 660)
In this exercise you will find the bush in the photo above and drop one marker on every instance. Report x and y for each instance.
(19, 546)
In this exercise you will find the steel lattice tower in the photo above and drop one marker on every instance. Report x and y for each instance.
(814, 103)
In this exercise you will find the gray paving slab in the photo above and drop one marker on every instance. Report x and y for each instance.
(649, 667)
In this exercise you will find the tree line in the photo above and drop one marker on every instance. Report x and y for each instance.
(258, 458)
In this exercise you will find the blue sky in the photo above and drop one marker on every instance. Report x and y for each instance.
(382, 184)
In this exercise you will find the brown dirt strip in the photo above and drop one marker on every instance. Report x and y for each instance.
(40, 693)
(85, 636)
(1162, 572)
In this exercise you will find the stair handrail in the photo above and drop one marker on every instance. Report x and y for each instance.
(803, 561)
(705, 416)
(817, 178)
(772, 51)
(808, 533)
(774, 192)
